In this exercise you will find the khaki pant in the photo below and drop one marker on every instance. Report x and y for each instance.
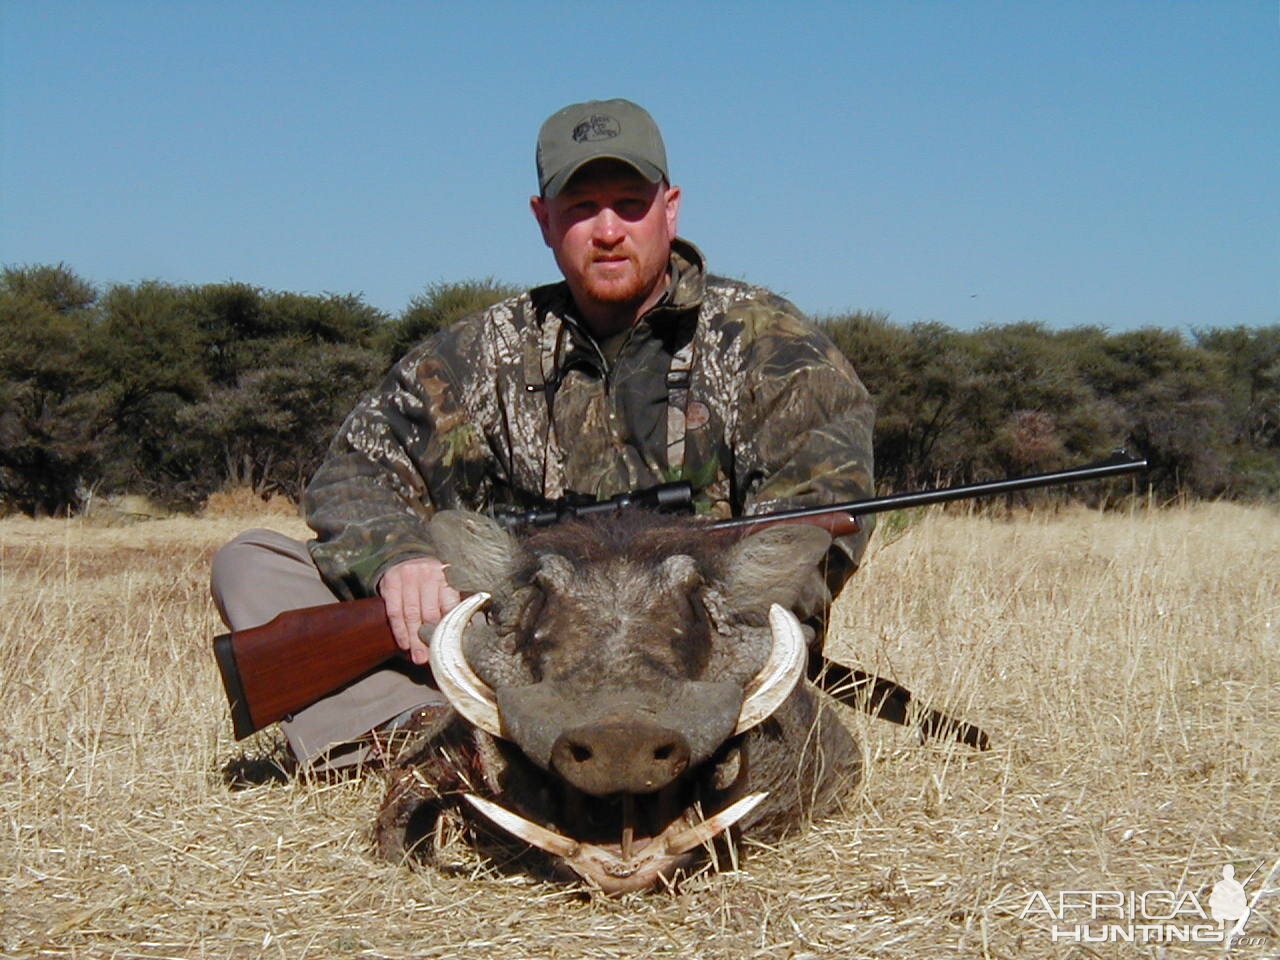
(262, 573)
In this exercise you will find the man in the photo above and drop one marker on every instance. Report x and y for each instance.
(637, 368)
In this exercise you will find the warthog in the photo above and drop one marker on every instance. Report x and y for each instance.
(623, 691)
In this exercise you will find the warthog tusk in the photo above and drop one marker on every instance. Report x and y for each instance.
(708, 829)
(780, 673)
(526, 830)
(466, 693)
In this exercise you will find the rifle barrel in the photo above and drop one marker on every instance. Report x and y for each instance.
(1114, 466)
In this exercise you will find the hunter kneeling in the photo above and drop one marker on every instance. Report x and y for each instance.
(639, 367)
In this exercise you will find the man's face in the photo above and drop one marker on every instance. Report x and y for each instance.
(611, 231)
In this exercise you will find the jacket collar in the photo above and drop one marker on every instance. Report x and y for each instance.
(688, 279)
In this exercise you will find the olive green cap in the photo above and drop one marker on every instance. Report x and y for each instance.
(598, 130)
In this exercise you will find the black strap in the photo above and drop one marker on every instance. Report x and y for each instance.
(679, 376)
(889, 701)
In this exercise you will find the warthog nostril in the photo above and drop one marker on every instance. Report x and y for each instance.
(664, 751)
(580, 753)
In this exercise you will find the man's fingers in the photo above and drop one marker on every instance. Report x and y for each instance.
(391, 594)
(411, 604)
(419, 603)
(416, 594)
(401, 610)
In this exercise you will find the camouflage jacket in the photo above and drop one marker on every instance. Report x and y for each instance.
(720, 383)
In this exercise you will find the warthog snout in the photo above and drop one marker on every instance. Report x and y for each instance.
(620, 757)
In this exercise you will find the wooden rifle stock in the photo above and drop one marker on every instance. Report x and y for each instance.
(272, 671)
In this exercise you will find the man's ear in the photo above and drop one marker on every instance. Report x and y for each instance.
(543, 215)
(673, 211)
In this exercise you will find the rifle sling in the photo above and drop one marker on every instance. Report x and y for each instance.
(890, 701)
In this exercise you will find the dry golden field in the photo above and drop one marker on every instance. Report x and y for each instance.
(1127, 667)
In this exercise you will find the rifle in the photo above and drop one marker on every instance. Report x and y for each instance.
(271, 671)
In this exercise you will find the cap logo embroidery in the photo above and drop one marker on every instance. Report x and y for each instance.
(596, 127)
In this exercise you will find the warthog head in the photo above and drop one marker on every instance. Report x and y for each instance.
(638, 685)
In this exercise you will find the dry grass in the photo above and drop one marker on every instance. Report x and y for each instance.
(1127, 667)
(242, 502)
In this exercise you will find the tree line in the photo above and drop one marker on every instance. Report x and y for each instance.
(179, 391)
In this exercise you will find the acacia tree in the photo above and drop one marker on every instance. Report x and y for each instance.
(1026, 407)
(956, 407)
(233, 385)
(1172, 399)
(270, 429)
(1250, 361)
(51, 420)
(147, 354)
(917, 377)
(55, 287)
(438, 306)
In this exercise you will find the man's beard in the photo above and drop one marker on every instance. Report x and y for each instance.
(634, 286)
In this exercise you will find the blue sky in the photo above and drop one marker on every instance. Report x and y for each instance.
(1079, 162)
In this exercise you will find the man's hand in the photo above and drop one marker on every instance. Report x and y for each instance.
(416, 593)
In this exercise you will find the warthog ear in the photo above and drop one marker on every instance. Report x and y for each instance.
(780, 564)
(554, 573)
(680, 573)
(479, 553)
